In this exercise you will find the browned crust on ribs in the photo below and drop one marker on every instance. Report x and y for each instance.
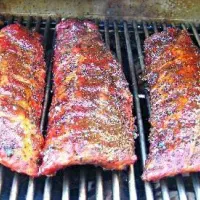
(90, 119)
(22, 78)
(173, 75)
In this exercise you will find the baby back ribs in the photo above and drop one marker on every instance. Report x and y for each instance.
(22, 79)
(173, 75)
(91, 113)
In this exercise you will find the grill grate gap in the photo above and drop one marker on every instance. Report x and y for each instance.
(23, 185)
(57, 185)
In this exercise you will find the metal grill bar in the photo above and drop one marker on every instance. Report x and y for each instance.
(132, 186)
(38, 22)
(82, 185)
(31, 189)
(20, 20)
(10, 20)
(99, 184)
(181, 187)
(107, 40)
(196, 184)
(65, 186)
(15, 187)
(164, 27)
(29, 21)
(117, 41)
(195, 33)
(146, 32)
(48, 85)
(46, 32)
(115, 186)
(164, 188)
(183, 26)
(47, 188)
(155, 27)
(138, 43)
(173, 25)
(148, 187)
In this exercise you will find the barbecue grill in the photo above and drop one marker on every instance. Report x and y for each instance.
(125, 39)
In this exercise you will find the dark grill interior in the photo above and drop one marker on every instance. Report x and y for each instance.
(125, 39)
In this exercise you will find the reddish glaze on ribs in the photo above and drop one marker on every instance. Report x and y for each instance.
(22, 79)
(91, 114)
(173, 74)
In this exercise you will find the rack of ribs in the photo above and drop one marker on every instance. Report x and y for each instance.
(173, 75)
(22, 80)
(91, 113)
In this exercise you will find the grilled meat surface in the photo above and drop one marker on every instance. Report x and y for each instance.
(91, 113)
(22, 80)
(173, 75)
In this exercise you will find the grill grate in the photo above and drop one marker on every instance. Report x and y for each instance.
(125, 39)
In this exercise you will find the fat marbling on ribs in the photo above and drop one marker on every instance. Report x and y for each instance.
(90, 118)
(173, 75)
(22, 80)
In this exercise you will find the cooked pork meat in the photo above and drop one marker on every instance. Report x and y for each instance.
(173, 75)
(91, 113)
(22, 80)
